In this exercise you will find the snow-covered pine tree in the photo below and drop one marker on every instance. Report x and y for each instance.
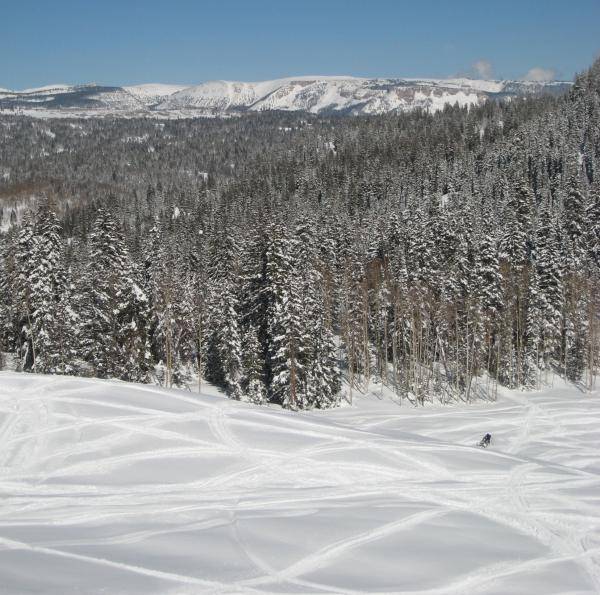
(516, 253)
(574, 224)
(318, 374)
(548, 268)
(116, 321)
(22, 288)
(281, 293)
(9, 291)
(253, 385)
(162, 285)
(533, 333)
(355, 323)
(62, 356)
(515, 245)
(48, 289)
(224, 343)
(134, 321)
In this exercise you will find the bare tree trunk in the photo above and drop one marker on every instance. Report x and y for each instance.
(32, 334)
(200, 339)
(293, 380)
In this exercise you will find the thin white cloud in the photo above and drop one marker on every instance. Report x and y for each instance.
(483, 69)
(539, 75)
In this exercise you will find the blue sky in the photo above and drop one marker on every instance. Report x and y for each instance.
(185, 41)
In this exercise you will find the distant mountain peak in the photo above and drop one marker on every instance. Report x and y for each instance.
(314, 94)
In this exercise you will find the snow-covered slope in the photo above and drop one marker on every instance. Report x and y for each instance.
(357, 95)
(118, 488)
(88, 99)
(47, 89)
(229, 95)
(312, 94)
(153, 93)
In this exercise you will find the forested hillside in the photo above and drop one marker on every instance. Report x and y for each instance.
(275, 254)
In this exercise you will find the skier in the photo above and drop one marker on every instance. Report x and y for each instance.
(485, 441)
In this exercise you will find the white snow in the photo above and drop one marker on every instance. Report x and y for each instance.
(135, 139)
(48, 132)
(154, 89)
(315, 94)
(461, 83)
(107, 487)
(20, 207)
(57, 88)
(153, 93)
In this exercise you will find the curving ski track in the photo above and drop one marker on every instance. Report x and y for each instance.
(108, 487)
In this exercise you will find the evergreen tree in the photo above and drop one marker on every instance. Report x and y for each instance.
(116, 333)
(224, 357)
(254, 389)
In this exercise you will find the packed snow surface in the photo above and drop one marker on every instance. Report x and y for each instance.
(120, 488)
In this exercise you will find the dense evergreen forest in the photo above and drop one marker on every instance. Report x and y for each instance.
(277, 255)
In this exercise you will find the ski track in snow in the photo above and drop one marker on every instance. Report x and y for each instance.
(120, 488)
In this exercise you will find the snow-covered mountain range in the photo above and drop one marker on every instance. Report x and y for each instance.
(314, 94)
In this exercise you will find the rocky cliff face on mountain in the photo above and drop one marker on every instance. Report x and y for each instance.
(318, 95)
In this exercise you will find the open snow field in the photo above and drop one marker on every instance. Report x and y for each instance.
(112, 488)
